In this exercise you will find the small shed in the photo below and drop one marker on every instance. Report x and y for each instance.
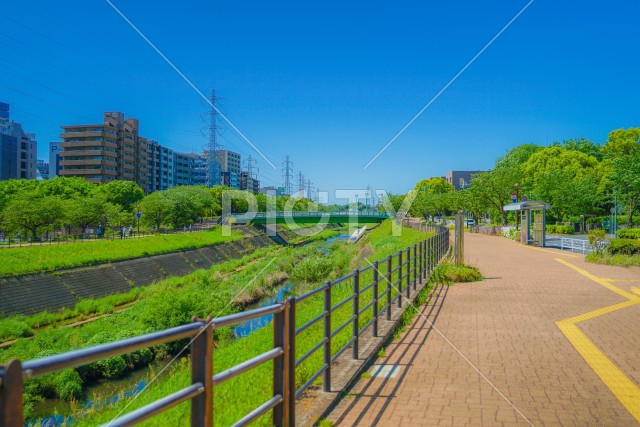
(525, 210)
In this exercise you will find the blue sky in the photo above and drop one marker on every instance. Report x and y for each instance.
(330, 83)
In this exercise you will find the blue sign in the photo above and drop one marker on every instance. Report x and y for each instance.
(524, 198)
(138, 215)
(514, 198)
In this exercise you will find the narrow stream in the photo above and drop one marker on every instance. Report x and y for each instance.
(55, 412)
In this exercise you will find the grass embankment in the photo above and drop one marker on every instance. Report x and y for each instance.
(205, 293)
(33, 259)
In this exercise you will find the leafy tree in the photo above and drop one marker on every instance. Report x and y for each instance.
(67, 187)
(622, 142)
(517, 155)
(33, 213)
(12, 187)
(494, 188)
(434, 186)
(156, 209)
(188, 204)
(85, 212)
(123, 193)
(583, 145)
(626, 175)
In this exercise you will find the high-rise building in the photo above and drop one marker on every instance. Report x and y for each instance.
(54, 159)
(249, 183)
(18, 149)
(104, 152)
(230, 168)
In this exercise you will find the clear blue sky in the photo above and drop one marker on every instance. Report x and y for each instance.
(330, 83)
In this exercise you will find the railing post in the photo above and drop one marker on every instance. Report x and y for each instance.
(290, 411)
(356, 314)
(408, 279)
(11, 388)
(400, 279)
(326, 382)
(424, 259)
(389, 287)
(416, 265)
(375, 298)
(202, 372)
(281, 366)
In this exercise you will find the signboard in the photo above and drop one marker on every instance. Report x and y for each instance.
(514, 198)
(524, 198)
(138, 215)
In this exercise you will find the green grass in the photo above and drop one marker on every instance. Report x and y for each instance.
(33, 259)
(448, 273)
(619, 260)
(174, 301)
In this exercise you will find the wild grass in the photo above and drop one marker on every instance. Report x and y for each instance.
(173, 302)
(33, 259)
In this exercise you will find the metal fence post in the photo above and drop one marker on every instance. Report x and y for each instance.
(389, 287)
(280, 366)
(11, 388)
(202, 372)
(424, 259)
(400, 279)
(290, 411)
(326, 381)
(375, 298)
(416, 265)
(408, 280)
(356, 312)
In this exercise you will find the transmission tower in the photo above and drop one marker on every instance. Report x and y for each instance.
(251, 167)
(301, 183)
(287, 175)
(214, 173)
(309, 188)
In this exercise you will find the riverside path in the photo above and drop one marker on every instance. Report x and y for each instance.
(545, 339)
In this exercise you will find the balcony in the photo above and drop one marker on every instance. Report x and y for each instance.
(88, 134)
(89, 162)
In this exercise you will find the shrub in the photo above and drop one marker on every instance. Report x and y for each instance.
(112, 367)
(629, 233)
(68, 384)
(596, 239)
(551, 228)
(448, 273)
(624, 246)
(563, 229)
(313, 269)
(14, 328)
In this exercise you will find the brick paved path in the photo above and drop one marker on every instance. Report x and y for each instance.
(506, 327)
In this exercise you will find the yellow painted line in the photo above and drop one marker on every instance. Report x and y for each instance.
(570, 255)
(600, 281)
(627, 392)
(623, 388)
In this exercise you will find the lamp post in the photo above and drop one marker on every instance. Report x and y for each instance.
(517, 187)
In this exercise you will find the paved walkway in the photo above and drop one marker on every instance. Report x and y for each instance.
(529, 345)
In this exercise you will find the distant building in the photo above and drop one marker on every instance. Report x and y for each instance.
(230, 168)
(249, 183)
(54, 159)
(18, 149)
(43, 170)
(460, 179)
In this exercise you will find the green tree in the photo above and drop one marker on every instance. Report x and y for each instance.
(85, 212)
(67, 187)
(494, 188)
(626, 176)
(188, 204)
(622, 142)
(123, 193)
(156, 209)
(33, 213)
(517, 155)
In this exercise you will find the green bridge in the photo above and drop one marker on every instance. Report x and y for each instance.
(365, 216)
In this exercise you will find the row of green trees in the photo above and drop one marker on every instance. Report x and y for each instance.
(35, 207)
(576, 177)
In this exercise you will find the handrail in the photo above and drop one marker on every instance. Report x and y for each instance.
(419, 261)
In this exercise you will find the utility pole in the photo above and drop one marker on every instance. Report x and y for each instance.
(251, 166)
(211, 149)
(287, 175)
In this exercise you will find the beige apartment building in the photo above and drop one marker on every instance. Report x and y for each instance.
(101, 153)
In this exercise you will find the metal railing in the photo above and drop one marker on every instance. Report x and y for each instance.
(303, 214)
(580, 245)
(393, 278)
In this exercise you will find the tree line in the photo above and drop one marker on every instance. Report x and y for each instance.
(576, 177)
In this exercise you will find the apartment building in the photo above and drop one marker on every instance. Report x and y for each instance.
(230, 168)
(249, 183)
(18, 149)
(460, 179)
